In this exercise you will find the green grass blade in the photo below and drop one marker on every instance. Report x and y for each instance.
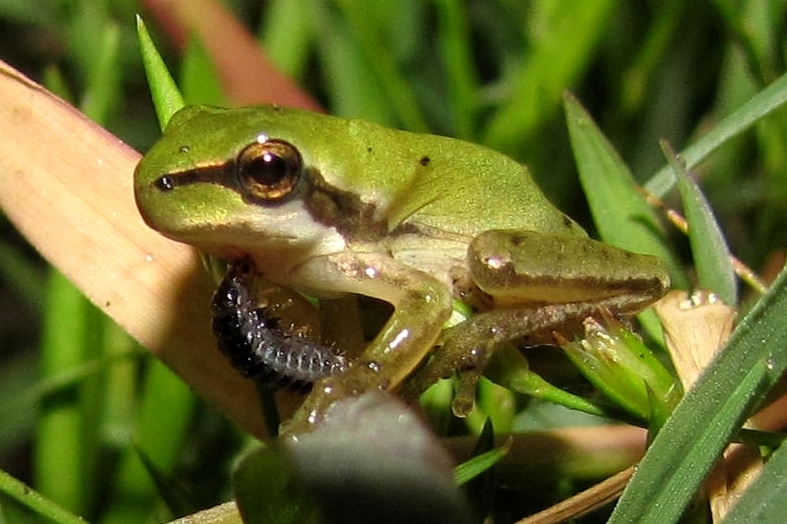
(711, 255)
(35, 501)
(763, 103)
(383, 64)
(287, 32)
(199, 79)
(461, 76)
(351, 90)
(560, 47)
(104, 88)
(510, 369)
(622, 216)
(702, 424)
(165, 410)
(764, 501)
(472, 468)
(61, 427)
(166, 96)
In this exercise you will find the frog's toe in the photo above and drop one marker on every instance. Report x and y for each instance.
(464, 399)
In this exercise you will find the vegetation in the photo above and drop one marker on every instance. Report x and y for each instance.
(583, 95)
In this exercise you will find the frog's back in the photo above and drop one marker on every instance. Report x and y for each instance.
(448, 184)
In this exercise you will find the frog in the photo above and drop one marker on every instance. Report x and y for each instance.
(329, 206)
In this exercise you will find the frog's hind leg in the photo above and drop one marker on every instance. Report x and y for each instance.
(469, 345)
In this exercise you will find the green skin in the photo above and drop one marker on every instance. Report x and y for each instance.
(402, 217)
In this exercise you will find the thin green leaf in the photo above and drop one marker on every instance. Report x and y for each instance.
(764, 501)
(287, 32)
(622, 216)
(708, 246)
(63, 433)
(381, 61)
(104, 88)
(456, 50)
(560, 46)
(470, 469)
(639, 76)
(482, 479)
(703, 423)
(166, 96)
(198, 76)
(26, 496)
(763, 103)
(495, 403)
(509, 368)
(352, 91)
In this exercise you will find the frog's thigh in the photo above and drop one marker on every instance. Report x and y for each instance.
(421, 303)
(518, 267)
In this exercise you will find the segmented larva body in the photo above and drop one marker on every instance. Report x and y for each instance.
(257, 346)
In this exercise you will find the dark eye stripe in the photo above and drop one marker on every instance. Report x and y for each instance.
(203, 174)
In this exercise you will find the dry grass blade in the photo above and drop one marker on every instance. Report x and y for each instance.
(67, 186)
(584, 502)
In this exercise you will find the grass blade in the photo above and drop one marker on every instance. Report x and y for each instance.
(622, 216)
(166, 96)
(35, 501)
(763, 103)
(702, 424)
(708, 246)
(560, 45)
(764, 502)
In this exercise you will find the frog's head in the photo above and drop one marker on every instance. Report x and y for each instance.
(235, 181)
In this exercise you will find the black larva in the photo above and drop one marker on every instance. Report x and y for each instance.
(255, 343)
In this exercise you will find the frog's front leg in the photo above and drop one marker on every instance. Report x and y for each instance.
(539, 283)
(421, 303)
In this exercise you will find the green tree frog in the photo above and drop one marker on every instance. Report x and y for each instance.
(326, 206)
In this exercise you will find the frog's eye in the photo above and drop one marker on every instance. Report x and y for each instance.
(269, 171)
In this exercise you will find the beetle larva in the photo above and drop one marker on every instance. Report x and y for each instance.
(255, 343)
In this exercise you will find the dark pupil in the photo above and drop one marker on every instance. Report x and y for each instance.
(268, 169)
